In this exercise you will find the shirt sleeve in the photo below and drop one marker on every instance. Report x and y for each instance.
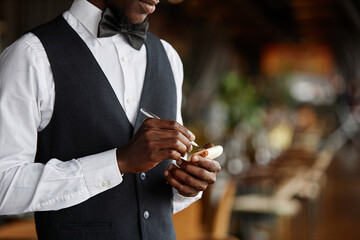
(27, 186)
(179, 202)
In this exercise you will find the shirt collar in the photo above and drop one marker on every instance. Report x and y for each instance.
(87, 14)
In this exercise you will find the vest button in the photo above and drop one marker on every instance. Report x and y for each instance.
(146, 214)
(143, 176)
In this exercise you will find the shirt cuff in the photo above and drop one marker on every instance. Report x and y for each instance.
(101, 171)
(181, 202)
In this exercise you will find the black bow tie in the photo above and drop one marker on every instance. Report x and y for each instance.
(135, 34)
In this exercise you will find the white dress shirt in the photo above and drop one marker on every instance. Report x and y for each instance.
(27, 95)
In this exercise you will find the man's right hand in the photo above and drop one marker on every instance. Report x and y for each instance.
(155, 141)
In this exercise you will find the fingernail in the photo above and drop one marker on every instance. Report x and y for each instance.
(192, 136)
(170, 167)
(195, 158)
(166, 173)
(190, 148)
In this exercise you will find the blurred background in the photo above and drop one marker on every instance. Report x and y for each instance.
(276, 83)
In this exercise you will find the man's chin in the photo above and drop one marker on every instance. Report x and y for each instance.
(137, 18)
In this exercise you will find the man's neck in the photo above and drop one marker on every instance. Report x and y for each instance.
(101, 4)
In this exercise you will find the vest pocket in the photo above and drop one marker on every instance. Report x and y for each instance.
(86, 231)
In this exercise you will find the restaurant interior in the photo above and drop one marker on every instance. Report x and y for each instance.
(277, 84)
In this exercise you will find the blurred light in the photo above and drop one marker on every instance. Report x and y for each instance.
(275, 153)
(262, 156)
(234, 147)
(260, 140)
(315, 59)
(238, 165)
(242, 131)
(280, 137)
(312, 89)
(303, 91)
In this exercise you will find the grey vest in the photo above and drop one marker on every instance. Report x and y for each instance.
(89, 119)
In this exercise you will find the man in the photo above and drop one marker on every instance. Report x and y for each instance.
(74, 147)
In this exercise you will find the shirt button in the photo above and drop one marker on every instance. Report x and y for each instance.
(129, 100)
(146, 214)
(105, 183)
(143, 176)
(125, 59)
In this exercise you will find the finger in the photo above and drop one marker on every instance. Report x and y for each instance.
(208, 164)
(187, 179)
(173, 134)
(165, 139)
(182, 189)
(169, 125)
(164, 144)
(208, 145)
(198, 172)
(162, 129)
(164, 154)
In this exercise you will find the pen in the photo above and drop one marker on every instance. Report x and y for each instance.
(151, 115)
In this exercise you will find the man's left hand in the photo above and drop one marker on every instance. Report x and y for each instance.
(192, 176)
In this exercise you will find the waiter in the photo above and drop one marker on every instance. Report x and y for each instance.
(74, 147)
